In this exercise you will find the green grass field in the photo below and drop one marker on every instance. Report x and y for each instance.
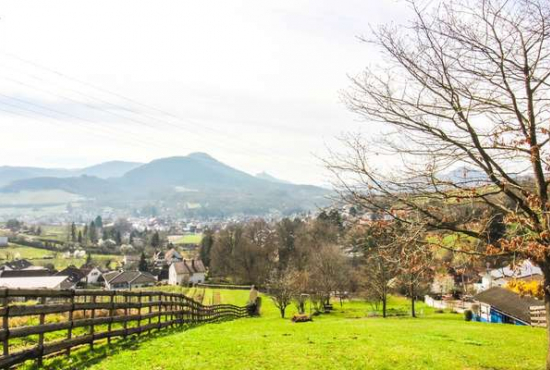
(343, 339)
(43, 257)
(185, 239)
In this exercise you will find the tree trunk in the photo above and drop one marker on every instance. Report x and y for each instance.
(546, 272)
(282, 309)
(384, 299)
(413, 298)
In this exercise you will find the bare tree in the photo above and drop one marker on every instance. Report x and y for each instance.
(376, 241)
(413, 258)
(281, 288)
(329, 272)
(465, 84)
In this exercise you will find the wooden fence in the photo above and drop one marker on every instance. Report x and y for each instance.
(538, 316)
(38, 323)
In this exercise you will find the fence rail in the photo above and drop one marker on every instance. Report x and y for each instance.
(39, 322)
(538, 316)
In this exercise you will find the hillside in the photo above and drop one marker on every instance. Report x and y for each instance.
(108, 169)
(344, 339)
(175, 183)
(266, 176)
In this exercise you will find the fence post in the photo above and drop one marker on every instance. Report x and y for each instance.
(111, 315)
(150, 312)
(41, 335)
(172, 311)
(6, 322)
(139, 313)
(160, 309)
(92, 327)
(70, 330)
(125, 323)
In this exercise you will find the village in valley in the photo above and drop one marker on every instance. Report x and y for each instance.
(154, 253)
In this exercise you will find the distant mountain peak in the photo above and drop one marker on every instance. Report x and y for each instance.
(266, 176)
(201, 155)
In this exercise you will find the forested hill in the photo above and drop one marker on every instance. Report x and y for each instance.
(197, 181)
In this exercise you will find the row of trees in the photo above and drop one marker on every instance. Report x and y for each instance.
(311, 260)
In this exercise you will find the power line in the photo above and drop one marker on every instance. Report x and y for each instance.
(118, 95)
(191, 129)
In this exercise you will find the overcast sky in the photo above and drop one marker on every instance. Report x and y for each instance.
(253, 83)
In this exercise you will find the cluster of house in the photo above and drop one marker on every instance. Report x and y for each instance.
(492, 301)
(177, 270)
(169, 268)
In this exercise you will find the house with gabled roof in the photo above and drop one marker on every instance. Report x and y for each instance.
(19, 264)
(73, 273)
(128, 280)
(25, 273)
(499, 305)
(186, 271)
(92, 274)
(41, 282)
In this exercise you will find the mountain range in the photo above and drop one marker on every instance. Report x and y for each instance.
(9, 174)
(196, 183)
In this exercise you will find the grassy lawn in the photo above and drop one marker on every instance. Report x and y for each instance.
(344, 339)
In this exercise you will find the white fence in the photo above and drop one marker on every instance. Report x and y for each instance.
(454, 305)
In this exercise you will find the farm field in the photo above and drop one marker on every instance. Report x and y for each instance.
(185, 239)
(344, 339)
(42, 257)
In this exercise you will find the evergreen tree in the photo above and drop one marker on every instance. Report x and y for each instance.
(88, 259)
(92, 233)
(118, 238)
(155, 240)
(98, 222)
(73, 232)
(143, 263)
(79, 238)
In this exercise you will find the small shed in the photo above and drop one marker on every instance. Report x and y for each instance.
(499, 305)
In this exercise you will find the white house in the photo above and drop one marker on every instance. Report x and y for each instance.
(92, 274)
(186, 271)
(3, 241)
(500, 277)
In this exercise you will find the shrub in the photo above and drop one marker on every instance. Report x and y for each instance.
(468, 315)
(301, 318)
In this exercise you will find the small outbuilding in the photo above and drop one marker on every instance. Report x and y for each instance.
(499, 305)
